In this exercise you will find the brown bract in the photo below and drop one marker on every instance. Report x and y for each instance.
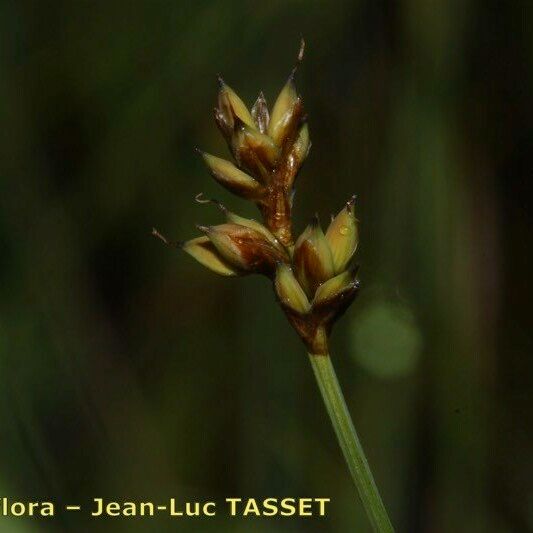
(245, 248)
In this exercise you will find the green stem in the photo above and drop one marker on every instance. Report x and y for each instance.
(349, 442)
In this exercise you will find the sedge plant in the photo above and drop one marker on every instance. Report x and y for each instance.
(314, 275)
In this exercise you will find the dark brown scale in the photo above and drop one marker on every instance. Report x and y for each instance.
(260, 255)
(292, 127)
(309, 268)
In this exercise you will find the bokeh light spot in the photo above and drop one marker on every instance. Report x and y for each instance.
(386, 339)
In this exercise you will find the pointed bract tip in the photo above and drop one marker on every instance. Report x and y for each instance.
(199, 151)
(351, 202)
(159, 236)
(299, 59)
(155, 233)
(201, 199)
(290, 79)
(301, 51)
(315, 221)
(220, 81)
(204, 229)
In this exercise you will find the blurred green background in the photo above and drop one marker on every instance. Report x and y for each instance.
(129, 371)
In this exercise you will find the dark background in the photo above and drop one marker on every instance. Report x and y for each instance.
(129, 371)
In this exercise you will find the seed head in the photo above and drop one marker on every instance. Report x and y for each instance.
(313, 279)
(268, 147)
